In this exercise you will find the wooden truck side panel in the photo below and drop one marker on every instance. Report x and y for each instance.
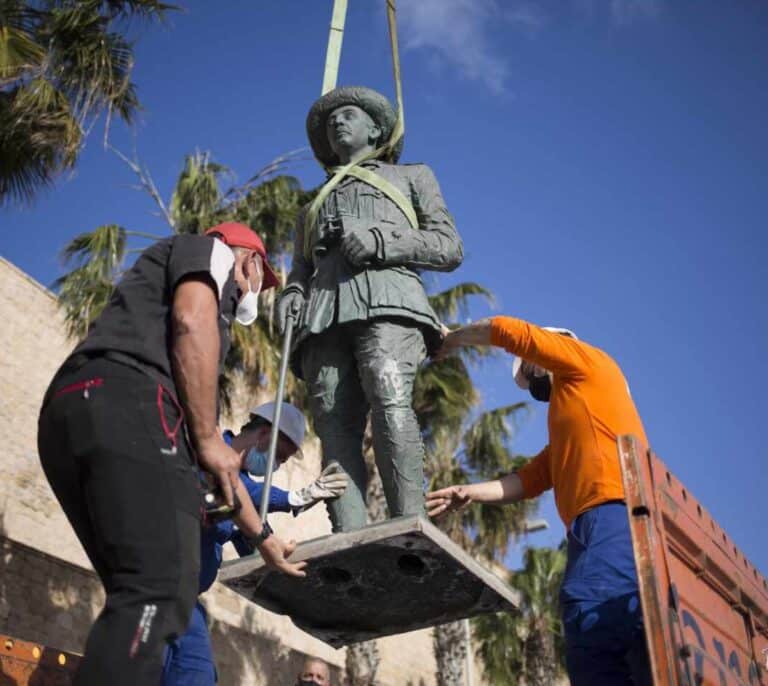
(705, 604)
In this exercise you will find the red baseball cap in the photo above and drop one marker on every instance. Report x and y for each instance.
(241, 236)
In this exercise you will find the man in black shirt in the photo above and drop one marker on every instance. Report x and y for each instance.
(124, 425)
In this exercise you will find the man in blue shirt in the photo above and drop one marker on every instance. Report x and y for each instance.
(189, 659)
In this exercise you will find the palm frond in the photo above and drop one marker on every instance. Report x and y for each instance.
(20, 54)
(539, 583)
(486, 442)
(255, 357)
(89, 63)
(527, 647)
(62, 64)
(443, 397)
(276, 167)
(82, 295)
(84, 292)
(39, 138)
(196, 203)
(101, 250)
(270, 208)
(125, 9)
(454, 302)
(500, 648)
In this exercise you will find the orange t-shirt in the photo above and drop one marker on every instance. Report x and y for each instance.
(590, 406)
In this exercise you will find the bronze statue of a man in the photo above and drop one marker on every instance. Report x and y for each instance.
(365, 323)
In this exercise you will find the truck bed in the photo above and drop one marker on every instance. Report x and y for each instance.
(705, 605)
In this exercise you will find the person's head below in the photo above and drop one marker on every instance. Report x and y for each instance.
(314, 673)
(533, 378)
(254, 437)
(252, 272)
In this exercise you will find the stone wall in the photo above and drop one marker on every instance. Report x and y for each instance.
(48, 592)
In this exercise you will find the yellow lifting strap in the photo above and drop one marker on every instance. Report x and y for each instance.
(389, 189)
(333, 54)
(330, 76)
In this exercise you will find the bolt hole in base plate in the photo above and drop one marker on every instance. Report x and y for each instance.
(411, 565)
(368, 583)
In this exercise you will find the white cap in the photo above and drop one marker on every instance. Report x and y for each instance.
(520, 379)
(292, 423)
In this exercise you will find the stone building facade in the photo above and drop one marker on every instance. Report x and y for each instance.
(48, 590)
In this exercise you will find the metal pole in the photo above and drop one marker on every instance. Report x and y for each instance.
(468, 638)
(275, 433)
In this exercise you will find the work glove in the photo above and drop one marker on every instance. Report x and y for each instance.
(292, 300)
(331, 483)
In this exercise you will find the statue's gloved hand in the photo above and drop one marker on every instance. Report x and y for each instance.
(359, 247)
(291, 300)
(331, 483)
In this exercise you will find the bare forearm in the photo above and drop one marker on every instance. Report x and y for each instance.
(195, 358)
(507, 489)
(247, 519)
(476, 333)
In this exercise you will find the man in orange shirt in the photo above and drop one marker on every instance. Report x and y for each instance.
(589, 407)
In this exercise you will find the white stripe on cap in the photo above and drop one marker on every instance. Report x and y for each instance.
(222, 261)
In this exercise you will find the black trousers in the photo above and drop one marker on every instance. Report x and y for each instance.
(112, 446)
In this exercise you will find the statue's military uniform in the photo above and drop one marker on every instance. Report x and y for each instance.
(364, 331)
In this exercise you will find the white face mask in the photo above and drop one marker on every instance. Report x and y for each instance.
(248, 308)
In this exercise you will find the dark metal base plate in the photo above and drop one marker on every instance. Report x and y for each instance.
(388, 578)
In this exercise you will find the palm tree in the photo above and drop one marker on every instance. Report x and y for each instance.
(268, 200)
(85, 290)
(361, 664)
(450, 648)
(527, 649)
(62, 64)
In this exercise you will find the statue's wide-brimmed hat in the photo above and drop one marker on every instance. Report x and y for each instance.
(375, 104)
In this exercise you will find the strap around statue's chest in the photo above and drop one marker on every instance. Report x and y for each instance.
(372, 179)
(389, 189)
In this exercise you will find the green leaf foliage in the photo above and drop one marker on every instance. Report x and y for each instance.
(196, 203)
(62, 64)
(454, 302)
(83, 292)
(527, 648)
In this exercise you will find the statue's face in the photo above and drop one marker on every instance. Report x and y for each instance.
(350, 129)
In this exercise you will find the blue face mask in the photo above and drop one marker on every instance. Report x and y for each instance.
(256, 462)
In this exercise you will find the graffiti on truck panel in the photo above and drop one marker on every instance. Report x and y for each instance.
(727, 668)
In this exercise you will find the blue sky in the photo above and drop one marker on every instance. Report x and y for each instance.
(607, 164)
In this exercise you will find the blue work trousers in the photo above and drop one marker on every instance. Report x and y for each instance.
(602, 617)
(189, 659)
